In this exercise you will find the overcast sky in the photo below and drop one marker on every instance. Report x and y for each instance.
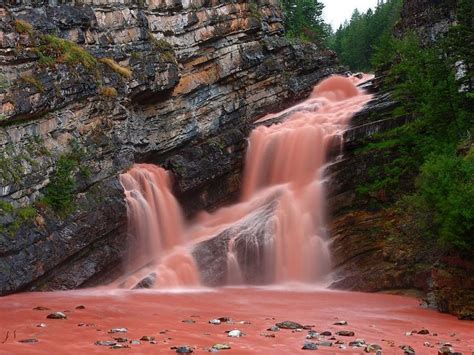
(336, 11)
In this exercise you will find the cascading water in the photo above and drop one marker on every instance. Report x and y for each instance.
(276, 233)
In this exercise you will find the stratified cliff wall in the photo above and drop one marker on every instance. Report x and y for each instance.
(373, 242)
(88, 88)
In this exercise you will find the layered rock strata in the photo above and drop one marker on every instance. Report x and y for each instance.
(88, 88)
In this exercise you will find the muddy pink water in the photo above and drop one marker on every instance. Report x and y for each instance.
(284, 162)
(376, 318)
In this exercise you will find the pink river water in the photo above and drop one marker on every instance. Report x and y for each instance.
(284, 164)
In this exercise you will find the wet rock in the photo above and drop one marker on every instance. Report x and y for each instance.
(289, 325)
(56, 315)
(28, 341)
(358, 343)
(345, 333)
(447, 350)
(273, 328)
(340, 322)
(326, 333)
(299, 330)
(189, 321)
(153, 342)
(118, 330)
(309, 346)
(427, 344)
(121, 340)
(120, 346)
(235, 333)
(86, 325)
(215, 321)
(146, 282)
(147, 338)
(308, 327)
(312, 335)
(407, 349)
(221, 347)
(325, 343)
(339, 342)
(135, 342)
(424, 331)
(41, 308)
(224, 319)
(342, 347)
(268, 335)
(41, 325)
(81, 307)
(372, 348)
(183, 349)
(105, 343)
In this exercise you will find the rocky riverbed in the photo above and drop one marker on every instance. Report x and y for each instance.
(232, 320)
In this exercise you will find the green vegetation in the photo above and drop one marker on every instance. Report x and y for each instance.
(116, 67)
(60, 192)
(358, 40)
(58, 50)
(4, 85)
(23, 27)
(20, 216)
(303, 20)
(436, 147)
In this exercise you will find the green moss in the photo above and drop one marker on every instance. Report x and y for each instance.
(254, 11)
(4, 85)
(64, 51)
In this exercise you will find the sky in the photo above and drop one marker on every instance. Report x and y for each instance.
(336, 11)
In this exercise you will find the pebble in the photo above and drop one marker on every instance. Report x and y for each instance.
(424, 331)
(289, 325)
(221, 347)
(135, 342)
(359, 343)
(224, 319)
(345, 333)
(28, 341)
(312, 335)
(310, 346)
(105, 343)
(341, 322)
(299, 330)
(342, 347)
(339, 342)
(268, 335)
(153, 342)
(407, 349)
(372, 348)
(120, 346)
(118, 330)
(427, 344)
(326, 333)
(183, 349)
(273, 328)
(190, 321)
(41, 325)
(121, 340)
(56, 315)
(325, 343)
(147, 338)
(81, 307)
(235, 333)
(215, 321)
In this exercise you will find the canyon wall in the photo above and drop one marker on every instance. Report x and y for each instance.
(375, 245)
(88, 88)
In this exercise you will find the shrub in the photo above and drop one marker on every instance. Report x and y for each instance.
(23, 27)
(60, 191)
(108, 91)
(33, 81)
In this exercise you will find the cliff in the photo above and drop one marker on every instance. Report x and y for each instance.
(377, 246)
(89, 88)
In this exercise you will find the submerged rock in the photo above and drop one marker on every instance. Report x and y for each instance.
(56, 315)
(41, 308)
(29, 341)
(309, 346)
(183, 349)
(287, 324)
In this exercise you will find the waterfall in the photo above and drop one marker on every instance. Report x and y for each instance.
(276, 232)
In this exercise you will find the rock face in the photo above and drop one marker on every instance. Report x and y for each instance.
(429, 19)
(88, 88)
(373, 247)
